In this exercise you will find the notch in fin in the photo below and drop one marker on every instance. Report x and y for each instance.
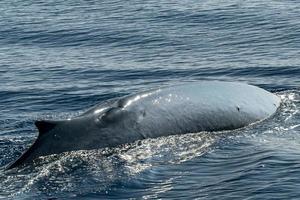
(45, 126)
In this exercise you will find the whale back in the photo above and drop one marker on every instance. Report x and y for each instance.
(200, 106)
(179, 109)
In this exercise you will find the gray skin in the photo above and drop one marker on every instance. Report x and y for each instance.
(187, 108)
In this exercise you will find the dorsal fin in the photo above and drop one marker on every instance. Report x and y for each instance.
(44, 126)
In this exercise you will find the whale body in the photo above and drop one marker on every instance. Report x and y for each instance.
(186, 108)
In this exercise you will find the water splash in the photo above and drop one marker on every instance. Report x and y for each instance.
(102, 168)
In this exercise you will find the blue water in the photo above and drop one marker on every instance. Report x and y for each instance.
(58, 58)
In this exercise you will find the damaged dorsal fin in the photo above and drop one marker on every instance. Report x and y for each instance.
(45, 126)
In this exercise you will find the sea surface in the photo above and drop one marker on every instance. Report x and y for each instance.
(59, 58)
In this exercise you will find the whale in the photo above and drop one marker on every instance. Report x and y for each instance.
(200, 106)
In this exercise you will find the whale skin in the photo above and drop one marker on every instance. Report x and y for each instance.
(179, 109)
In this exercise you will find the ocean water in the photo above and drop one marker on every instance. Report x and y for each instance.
(58, 58)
